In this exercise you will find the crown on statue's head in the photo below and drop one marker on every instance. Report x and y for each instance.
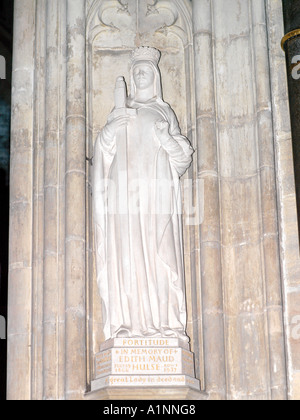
(145, 54)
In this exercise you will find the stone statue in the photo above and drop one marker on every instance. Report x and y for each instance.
(139, 158)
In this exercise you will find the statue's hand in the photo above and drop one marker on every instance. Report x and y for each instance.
(162, 131)
(113, 125)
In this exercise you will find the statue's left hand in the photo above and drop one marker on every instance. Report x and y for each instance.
(162, 131)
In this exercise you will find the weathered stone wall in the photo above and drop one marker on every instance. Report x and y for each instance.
(242, 262)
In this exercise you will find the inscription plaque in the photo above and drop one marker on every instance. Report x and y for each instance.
(146, 381)
(144, 362)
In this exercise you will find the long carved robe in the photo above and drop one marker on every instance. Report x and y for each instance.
(143, 293)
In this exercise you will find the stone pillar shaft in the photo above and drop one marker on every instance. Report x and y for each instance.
(249, 229)
(289, 145)
(211, 274)
(75, 183)
(38, 208)
(47, 259)
(241, 291)
(21, 202)
(53, 246)
(268, 198)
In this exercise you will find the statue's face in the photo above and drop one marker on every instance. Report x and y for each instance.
(143, 76)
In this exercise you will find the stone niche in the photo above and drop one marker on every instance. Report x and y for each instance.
(114, 29)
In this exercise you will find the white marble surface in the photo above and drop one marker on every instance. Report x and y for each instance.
(139, 157)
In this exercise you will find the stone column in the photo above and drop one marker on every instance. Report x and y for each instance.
(21, 204)
(208, 171)
(75, 183)
(247, 205)
(238, 162)
(53, 286)
(268, 198)
(287, 209)
(37, 386)
(47, 316)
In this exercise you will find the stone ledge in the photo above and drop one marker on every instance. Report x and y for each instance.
(156, 394)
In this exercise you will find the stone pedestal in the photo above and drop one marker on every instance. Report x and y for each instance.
(150, 363)
(147, 393)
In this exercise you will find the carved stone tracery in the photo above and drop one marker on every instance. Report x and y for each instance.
(160, 16)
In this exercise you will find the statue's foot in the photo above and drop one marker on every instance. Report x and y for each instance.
(122, 332)
(167, 332)
(152, 332)
(177, 333)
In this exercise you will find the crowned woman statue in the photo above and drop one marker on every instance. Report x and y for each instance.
(139, 158)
